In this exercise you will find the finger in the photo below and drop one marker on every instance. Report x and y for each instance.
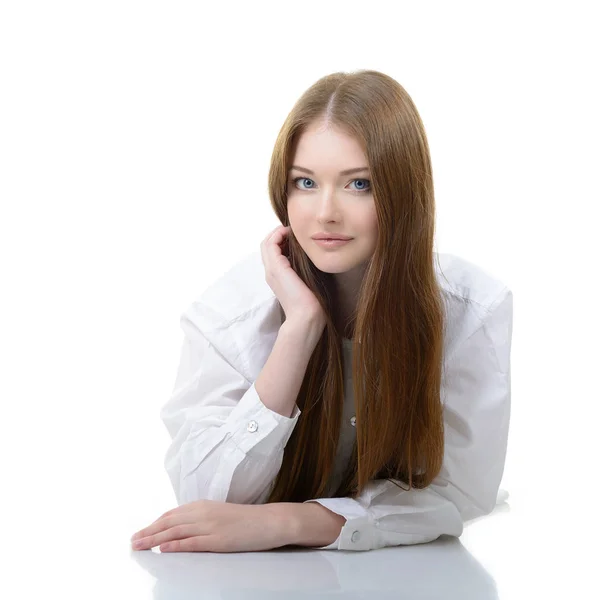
(162, 523)
(143, 534)
(268, 236)
(175, 511)
(275, 238)
(198, 543)
(146, 530)
(175, 532)
(278, 232)
(265, 251)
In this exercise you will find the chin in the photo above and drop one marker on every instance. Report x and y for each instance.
(333, 264)
(333, 271)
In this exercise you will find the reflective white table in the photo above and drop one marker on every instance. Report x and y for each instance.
(74, 500)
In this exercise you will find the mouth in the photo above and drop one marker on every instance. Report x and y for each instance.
(331, 242)
(334, 236)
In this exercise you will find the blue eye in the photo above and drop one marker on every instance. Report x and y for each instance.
(363, 189)
(360, 189)
(298, 179)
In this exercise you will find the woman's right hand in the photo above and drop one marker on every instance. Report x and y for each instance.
(296, 299)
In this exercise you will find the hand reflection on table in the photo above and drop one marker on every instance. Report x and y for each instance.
(439, 569)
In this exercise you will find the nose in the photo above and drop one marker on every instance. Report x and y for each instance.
(327, 206)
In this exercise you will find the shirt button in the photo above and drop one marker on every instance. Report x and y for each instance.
(355, 536)
(353, 421)
(252, 426)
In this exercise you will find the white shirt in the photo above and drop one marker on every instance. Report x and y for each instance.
(228, 446)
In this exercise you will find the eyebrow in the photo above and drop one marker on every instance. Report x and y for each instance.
(346, 172)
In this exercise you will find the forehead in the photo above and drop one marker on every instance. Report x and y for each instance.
(329, 146)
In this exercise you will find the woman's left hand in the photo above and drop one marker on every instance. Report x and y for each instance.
(213, 526)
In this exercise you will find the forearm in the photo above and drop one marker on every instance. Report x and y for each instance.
(307, 524)
(279, 382)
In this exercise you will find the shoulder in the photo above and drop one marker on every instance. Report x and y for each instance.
(471, 293)
(237, 293)
(468, 282)
(239, 315)
(242, 288)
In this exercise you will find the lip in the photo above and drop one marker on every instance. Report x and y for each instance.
(333, 236)
(331, 243)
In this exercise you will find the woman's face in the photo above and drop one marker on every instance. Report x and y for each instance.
(327, 200)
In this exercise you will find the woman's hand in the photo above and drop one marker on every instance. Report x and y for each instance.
(295, 297)
(213, 526)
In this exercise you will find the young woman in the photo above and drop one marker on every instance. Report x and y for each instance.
(341, 395)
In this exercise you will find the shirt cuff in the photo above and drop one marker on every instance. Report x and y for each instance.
(251, 421)
(358, 531)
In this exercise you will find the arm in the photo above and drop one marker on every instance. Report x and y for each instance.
(306, 524)
(279, 382)
(477, 396)
(227, 444)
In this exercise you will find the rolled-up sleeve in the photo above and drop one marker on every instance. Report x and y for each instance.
(225, 443)
(476, 394)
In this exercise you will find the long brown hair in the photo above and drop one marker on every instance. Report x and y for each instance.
(399, 321)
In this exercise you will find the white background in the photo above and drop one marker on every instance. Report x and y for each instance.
(135, 141)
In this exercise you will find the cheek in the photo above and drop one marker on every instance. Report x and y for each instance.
(298, 214)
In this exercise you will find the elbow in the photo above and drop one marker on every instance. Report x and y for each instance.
(245, 480)
(191, 486)
(189, 490)
(475, 508)
(468, 505)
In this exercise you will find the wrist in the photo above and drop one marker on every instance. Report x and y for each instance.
(284, 521)
(309, 327)
(311, 524)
